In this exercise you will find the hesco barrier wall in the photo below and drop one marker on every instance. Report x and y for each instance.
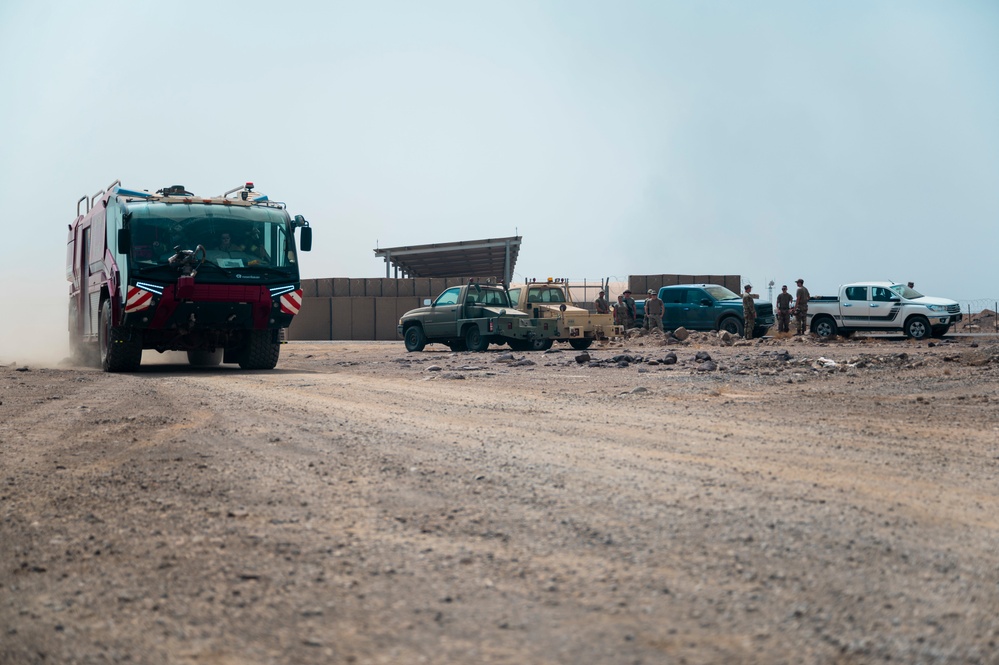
(639, 284)
(345, 308)
(362, 308)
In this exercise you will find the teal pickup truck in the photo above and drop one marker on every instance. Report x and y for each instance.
(707, 307)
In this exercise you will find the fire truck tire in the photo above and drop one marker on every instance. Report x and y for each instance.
(203, 358)
(260, 351)
(121, 350)
(580, 344)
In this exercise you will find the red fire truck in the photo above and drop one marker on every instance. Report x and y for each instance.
(216, 277)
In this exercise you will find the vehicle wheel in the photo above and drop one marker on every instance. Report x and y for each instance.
(539, 344)
(204, 358)
(918, 327)
(121, 350)
(731, 325)
(824, 327)
(939, 331)
(475, 340)
(415, 338)
(457, 347)
(580, 344)
(260, 350)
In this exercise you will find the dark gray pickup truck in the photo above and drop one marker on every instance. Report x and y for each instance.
(707, 307)
(470, 318)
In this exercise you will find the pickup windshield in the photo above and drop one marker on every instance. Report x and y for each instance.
(906, 292)
(721, 293)
(233, 236)
(485, 296)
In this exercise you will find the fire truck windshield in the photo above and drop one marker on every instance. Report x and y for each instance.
(233, 236)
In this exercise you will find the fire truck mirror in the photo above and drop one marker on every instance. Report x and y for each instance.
(124, 241)
(306, 239)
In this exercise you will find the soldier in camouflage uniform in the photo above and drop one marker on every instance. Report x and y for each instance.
(654, 311)
(601, 305)
(620, 312)
(801, 298)
(749, 311)
(632, 311)
(783, 310)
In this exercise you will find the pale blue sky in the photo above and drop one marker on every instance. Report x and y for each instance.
(835, 141)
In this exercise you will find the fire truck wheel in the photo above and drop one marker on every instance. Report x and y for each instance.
(260, 351)
(580, 344)
(121, 350)
(203, 358)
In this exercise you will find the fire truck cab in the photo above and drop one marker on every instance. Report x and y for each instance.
(216, 277)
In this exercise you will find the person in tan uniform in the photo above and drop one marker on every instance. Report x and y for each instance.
(801, 298)
(784, 310)
(654, 311)
(601, 304)
(748, 311)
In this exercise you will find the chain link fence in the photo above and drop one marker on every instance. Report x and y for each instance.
(979, 315)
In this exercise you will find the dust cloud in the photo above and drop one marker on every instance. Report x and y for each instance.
(37, 338)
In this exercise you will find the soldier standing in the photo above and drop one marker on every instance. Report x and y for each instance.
(749, 311)
(620, 312)
(601, 304)
(801, 306)
(631, 312)
(783, 310)
(654, 311)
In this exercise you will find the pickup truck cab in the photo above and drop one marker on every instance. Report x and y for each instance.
(469, 318)
(708, 307)
(562, 321)
(881, 307)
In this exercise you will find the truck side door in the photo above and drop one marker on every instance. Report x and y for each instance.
(853, 306)
(883, 307)
(443, 318)
(701, 310)
(674, 304)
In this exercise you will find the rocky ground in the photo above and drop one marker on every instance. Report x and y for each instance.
(703, 501)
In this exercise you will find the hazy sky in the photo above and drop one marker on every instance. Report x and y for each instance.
(835, 141)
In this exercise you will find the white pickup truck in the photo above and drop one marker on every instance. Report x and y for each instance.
(881, 307)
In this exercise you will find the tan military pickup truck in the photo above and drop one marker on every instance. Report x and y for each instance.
(551, 303)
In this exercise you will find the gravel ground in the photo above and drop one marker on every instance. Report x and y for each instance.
(780, 501)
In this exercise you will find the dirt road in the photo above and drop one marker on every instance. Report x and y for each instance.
(795, 503)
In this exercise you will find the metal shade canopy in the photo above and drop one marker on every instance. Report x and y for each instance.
(493, 257)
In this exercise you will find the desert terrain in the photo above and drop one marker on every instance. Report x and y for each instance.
(775, 501)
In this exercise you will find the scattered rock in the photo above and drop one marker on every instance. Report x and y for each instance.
(434, 368)
(583, 358)
(681, 334)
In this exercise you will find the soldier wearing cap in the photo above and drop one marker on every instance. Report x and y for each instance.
(783, 310)
(601, 305)
(630, 311)
(749, 311)
(654, 311)
(801, 298)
